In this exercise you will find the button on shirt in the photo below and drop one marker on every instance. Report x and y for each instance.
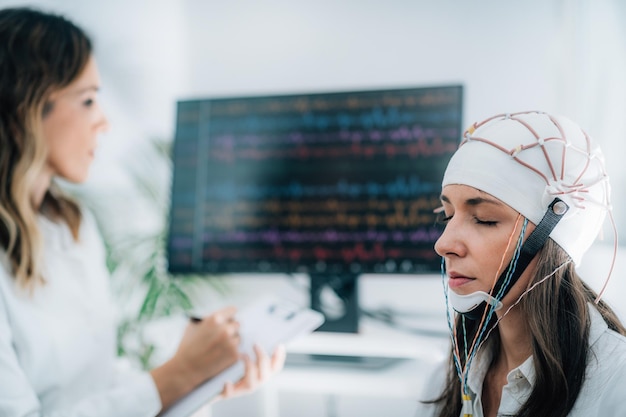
(602, 393)
(57, 345)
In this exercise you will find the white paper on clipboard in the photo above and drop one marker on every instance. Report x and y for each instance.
(268, 323)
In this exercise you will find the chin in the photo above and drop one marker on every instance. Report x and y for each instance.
(75, 177)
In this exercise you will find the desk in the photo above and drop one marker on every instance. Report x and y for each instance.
(341, 391)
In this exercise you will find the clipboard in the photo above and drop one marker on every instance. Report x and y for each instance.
(268, 323)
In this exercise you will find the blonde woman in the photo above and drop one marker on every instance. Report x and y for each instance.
(57, 337)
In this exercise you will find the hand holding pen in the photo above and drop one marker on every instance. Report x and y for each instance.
(257, 370)
(208, 346)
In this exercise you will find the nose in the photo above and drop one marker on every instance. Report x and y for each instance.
(103, 122)
(450, 242)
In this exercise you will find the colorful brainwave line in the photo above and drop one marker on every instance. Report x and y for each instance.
(425, 202)
(275, 236)
(323, 102)
(374, 118)
(354, 151)
(226, 221)
(231, 140)
(348, 254)
(400, 187)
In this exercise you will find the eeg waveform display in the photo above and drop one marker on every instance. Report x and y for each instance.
(317, 183)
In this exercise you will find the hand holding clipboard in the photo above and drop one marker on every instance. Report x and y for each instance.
(266, 323)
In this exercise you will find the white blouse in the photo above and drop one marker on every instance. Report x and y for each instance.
(602, 393)
(57, 345)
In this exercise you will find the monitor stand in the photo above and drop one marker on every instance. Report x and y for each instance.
(337, 297)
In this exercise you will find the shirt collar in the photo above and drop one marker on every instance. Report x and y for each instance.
(525, 371)
(519, 381)
(481, 364)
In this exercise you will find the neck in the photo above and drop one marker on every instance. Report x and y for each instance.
(515, 339)
(42, 185)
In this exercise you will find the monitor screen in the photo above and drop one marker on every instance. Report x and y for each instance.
(327, 183)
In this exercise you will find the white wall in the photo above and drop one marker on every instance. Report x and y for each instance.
(291, 46)
(561, 56)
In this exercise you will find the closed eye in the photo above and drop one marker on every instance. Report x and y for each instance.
(442, 218)
(489, 223)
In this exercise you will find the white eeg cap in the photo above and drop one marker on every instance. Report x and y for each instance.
(526, 160)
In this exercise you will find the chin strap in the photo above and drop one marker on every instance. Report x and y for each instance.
(468, 302)
(536, 240)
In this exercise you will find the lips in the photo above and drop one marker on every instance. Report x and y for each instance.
(457, 280)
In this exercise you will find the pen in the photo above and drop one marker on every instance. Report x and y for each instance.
(194, 319)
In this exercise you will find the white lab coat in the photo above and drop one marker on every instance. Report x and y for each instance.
(57, 346)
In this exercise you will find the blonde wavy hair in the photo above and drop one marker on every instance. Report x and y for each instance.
(39, 53)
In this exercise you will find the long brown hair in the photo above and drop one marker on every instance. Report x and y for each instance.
(39, 54)
(558, 319)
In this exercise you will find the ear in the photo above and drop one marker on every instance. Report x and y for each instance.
(47, 108)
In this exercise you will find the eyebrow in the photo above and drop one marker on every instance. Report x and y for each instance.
(83, 90)
(473, 201)
(90, 88)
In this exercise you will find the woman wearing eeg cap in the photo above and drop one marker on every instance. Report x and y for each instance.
(524, 197)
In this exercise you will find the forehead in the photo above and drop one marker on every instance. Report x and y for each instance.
(458, 194)
(87, 80)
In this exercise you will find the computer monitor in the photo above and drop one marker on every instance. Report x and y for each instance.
(333, 185)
